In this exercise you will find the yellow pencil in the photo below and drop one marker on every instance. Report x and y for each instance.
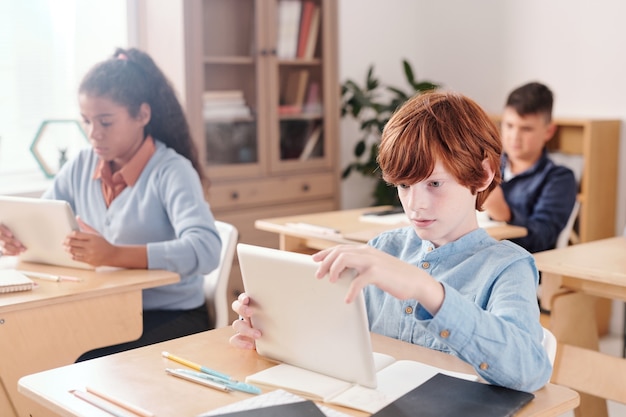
(196, 366)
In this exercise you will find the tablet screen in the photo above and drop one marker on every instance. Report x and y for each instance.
(42, 226)
(304, 320)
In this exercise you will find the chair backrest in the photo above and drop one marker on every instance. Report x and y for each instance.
(564, 237)
(216, 282)
(549, 344)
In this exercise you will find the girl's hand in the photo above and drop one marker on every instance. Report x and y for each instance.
(9, 245)
(88, 246)
(246, 334)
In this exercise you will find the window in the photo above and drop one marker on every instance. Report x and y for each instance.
(46, 47)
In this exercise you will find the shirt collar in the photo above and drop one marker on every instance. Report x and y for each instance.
(132, 169)
(505, 167)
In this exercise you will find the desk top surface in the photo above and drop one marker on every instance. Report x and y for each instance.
(93, 283)
(138, 376)
(599, 260)
(351, 229)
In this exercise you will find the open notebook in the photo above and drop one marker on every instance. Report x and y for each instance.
(395, 378)
(323, 343)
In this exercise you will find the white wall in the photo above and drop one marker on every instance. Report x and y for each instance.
(484, 48)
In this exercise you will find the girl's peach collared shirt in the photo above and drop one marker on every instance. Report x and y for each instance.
(114, 183)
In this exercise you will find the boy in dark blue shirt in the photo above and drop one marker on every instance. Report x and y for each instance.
(535, 192)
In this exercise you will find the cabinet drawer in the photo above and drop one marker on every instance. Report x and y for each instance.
(270, 191)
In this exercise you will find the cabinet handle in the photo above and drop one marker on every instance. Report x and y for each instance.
(305, 187)
(234, 195)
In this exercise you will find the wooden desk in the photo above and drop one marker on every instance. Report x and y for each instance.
(56, 322)
(572, 278)
(351, 229)
(138, 376)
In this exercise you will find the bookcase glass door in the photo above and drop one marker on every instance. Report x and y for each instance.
(297, 136)
(230, 94)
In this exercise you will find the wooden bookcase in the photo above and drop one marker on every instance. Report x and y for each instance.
(597, 142)
(255, 151)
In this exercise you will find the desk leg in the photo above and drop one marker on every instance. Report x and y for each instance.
(49, 336)
(293, 244)
(573, 322)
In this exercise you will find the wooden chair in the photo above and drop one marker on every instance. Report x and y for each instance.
(216, 282)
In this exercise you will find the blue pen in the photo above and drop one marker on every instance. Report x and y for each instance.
(195, 366)
(235, 385)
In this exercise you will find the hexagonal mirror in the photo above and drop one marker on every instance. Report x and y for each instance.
(56, 142)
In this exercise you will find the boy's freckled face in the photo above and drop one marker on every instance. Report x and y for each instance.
(523, 137)
(440, 209)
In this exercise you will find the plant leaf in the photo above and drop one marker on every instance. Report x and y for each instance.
(425, 86)
(408, 72)
(359, 148)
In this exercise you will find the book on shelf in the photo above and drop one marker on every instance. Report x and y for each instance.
(289, 12)
(446, 396)
(305, 26)
(222, 95)
(12, 280)
(313, 102)
(289, 109)
(224, 104)
(295, 87)
(395, 378)
(226, 113)
(310, 143)
(212, 103)
(311, 42)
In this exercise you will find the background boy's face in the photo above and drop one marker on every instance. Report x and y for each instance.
(523, 137)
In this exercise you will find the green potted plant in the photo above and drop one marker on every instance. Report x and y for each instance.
(371, 105)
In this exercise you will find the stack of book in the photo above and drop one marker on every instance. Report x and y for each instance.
(224, 104)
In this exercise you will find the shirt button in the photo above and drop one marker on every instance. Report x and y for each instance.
(430, 249)
(444, 333)
(484, 366)
(408, 310)
(425, 265)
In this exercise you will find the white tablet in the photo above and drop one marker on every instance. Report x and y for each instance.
(304, 320)
(42, 226)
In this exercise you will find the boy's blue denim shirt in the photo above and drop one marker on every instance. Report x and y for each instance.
(490, 315)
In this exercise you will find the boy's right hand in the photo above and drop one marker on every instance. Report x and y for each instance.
(246, 335)
(9, 245)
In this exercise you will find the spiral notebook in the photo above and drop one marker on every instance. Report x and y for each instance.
(12, 281)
